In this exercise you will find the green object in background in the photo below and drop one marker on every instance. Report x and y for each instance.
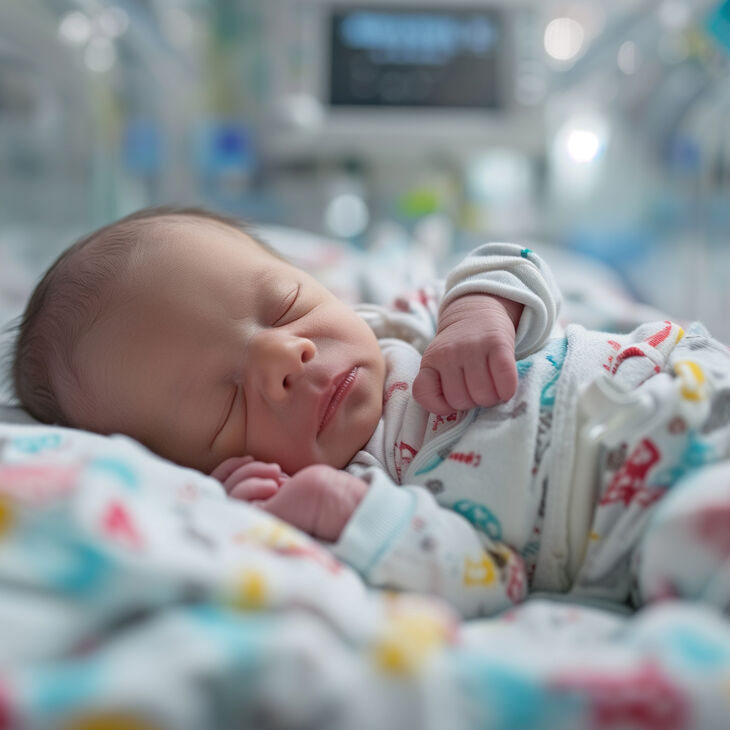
(418, 202)
(718, 24)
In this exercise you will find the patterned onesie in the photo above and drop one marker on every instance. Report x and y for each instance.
(552, 490)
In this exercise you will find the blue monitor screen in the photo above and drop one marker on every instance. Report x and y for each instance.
(398, 57)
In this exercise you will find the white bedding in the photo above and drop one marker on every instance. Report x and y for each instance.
(133, 594)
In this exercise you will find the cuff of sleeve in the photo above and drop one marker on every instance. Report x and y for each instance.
(515, 273)
(379, 519)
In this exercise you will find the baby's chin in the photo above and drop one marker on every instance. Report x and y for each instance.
(342, 457)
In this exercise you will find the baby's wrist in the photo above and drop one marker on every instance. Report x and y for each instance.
(343, 498)
(471, 305)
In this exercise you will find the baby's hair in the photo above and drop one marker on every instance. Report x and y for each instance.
(71, 296)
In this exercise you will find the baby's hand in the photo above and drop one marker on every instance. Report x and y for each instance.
(318, 499)
(471, 361)
(245, 478)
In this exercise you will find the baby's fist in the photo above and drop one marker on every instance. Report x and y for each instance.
(471, 360)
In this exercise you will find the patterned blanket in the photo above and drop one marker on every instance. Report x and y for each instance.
(134, 594)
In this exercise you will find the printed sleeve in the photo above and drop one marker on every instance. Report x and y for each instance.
(516, 273)
(501, 269)
(412, 317)
(400, 537)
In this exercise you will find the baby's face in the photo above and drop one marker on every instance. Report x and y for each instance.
(216, 348)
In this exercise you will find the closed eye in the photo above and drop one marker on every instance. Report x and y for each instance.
(227, 414)
(289, 302)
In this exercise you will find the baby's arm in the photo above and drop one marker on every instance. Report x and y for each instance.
(500, 303)
(318, 499)
(401, 537)
(395, 537)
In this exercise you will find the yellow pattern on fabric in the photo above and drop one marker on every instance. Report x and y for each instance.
(250, 591)
(6, 516)
(411, 635)
(109, 721)
(273, 533)
(479, 572)
(694, 383)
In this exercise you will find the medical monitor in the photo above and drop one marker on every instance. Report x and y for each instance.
(389, 77)
(399, 56)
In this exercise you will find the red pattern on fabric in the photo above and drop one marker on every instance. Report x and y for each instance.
(628, 483)
(712, 528)
(400, 385)
(643, 699)
(119, 525)
(660, 336)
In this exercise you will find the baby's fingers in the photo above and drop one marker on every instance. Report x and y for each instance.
(254, 470)
(227, 467)
(428, 392)
(503, 369)
(492, 378)
(254, 489)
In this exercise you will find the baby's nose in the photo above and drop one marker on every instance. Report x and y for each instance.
(281, 361)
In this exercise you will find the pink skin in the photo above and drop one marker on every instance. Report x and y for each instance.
(318, 499)
(471, 361)
(460, 369)
(211, 347)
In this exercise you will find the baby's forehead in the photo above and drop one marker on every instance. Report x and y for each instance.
(199, 254)
(202, 233)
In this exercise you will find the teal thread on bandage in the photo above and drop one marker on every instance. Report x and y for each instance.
(525, 252)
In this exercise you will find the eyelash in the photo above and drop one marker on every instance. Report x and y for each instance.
(227, 417)
(289, 306)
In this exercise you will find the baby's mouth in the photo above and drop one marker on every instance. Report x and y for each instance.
(336, 395)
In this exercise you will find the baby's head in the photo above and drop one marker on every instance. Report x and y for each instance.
(180, 329)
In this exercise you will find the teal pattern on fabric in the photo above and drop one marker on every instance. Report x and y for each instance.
(67, 685)
(84, 572)
(697, 651)
(523, 367)
(436, 461)
(118, 469)
(238, 636)
(697, 453)
(36, 444)
(510, 700)
(525, 253)
(64, 562)
(555, 355)
(480, 516)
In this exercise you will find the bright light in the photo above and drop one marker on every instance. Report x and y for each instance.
(628, 58)
(583, 145)
(577, 151)
(347, 215)
(113, 22)
(564, 39)
(675, 14)
(75, 28)
(100, 55)
(303, 111)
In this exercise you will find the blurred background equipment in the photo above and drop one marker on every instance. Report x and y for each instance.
(410, 129)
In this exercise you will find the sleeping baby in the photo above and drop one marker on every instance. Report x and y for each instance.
(449, 444)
